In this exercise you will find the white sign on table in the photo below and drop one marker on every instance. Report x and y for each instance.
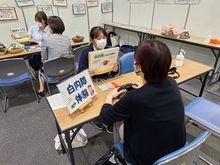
(77, 90)
(102, 61)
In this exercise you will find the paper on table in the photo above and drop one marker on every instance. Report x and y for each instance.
(56, 101)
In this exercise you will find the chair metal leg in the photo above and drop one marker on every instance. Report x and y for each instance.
(209, 91)
(48, 88)
(30, 70)
(35, 92)
(205, 160)
(5, 103)
(33, 75)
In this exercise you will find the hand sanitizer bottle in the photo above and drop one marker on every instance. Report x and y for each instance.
(207, 38)
(180, 58)
(77, 33)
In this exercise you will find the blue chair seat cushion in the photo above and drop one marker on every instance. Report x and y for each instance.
(49, 78)
(205, 112)
(14, 81)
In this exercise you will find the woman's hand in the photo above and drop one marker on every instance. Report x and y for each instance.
(34, 41)
(115, 67)
(13, 36)
(136, 85)
(91, 72)
(114, 93)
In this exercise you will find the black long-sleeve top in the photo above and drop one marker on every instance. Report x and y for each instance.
(153, 121)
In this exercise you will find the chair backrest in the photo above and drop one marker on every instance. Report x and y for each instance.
(78, 51)
(185, 155)
(13, 67)
(126, 63)
(58, 66)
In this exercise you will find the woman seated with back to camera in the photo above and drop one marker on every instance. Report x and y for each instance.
(150, 118)
(98, 39)
(54, 45)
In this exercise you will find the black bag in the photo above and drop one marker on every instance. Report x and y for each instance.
(104, 160)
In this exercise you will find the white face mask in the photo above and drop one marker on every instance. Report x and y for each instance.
(100, 44)
(39, 24)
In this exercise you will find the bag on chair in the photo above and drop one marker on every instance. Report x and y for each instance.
(113, 153)
(112, 39)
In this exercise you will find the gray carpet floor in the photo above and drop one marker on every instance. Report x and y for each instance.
(28, 129)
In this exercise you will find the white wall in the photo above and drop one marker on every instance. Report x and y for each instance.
(82, 23)
(198, 19)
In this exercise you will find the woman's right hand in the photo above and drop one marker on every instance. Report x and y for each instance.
(91, 72)
(136, 85)
(34, 41)
(114, 93)
(13, 37)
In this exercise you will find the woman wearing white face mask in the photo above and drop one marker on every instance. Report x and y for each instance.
(98, 39)
(37, 32)
(40, 30)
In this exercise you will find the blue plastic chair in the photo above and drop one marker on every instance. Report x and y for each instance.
(14, 71)
(77, 53)
(204, 113)
(185, 155)
(126, 63)
(57, 67)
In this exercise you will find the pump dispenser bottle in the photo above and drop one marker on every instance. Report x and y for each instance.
(180, 58)
(207, 38)
(77, 33)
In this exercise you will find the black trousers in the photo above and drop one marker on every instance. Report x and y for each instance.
(35, 61)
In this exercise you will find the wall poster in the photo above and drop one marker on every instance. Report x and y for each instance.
(47, 9)
(91, 3)
(21, 3)
(187, 2)
(79, 8)
(60, 2)
(165, 1)
(139, 1)
(106, 7)
(8, 13)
